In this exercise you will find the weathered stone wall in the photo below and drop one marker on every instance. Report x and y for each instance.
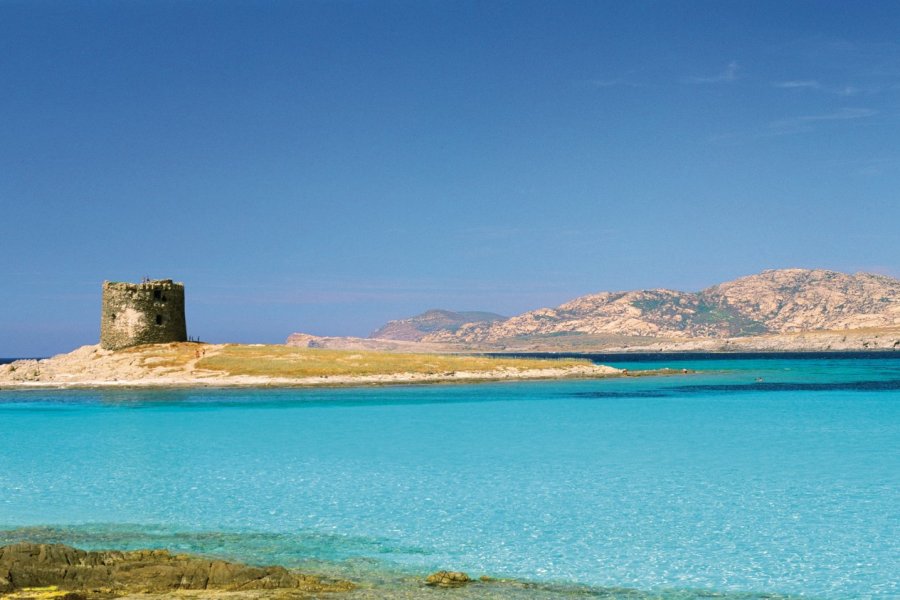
(142, 313)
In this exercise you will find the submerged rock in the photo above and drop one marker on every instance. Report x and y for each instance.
(29, 565)
(448, 579)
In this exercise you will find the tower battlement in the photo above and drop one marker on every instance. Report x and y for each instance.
(151, 312)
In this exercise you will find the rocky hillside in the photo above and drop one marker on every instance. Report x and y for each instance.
(772, 302)
(793, 300)
(415, 328)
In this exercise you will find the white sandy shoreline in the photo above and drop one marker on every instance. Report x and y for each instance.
(306, 382)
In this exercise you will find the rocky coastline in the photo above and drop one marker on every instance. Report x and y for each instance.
(842, 340)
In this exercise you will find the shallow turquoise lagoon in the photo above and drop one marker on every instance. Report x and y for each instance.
(710, 481)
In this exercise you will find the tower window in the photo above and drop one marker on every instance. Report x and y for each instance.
(157, 295)
(159, 319)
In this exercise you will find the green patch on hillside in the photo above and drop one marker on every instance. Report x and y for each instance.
(649, 305)
(735, 323)
(710, 314)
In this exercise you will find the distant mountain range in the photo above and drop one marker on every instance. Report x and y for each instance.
(773, 302)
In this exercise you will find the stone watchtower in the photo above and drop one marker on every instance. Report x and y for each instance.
(151, 312)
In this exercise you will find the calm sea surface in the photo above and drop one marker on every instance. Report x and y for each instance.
(714, 481)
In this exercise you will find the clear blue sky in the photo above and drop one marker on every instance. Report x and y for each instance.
(327, 166)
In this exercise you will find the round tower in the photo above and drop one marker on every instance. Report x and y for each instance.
(151, 312)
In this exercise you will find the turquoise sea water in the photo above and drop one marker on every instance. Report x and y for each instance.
(712, 481)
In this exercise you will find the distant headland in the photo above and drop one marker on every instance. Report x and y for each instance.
(776, 310)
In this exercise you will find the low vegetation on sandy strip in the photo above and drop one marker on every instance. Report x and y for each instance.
(285, 361)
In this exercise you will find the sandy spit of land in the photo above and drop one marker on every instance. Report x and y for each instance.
(198, 365)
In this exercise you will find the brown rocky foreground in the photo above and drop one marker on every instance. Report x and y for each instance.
(41, 569)
(31, 571)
